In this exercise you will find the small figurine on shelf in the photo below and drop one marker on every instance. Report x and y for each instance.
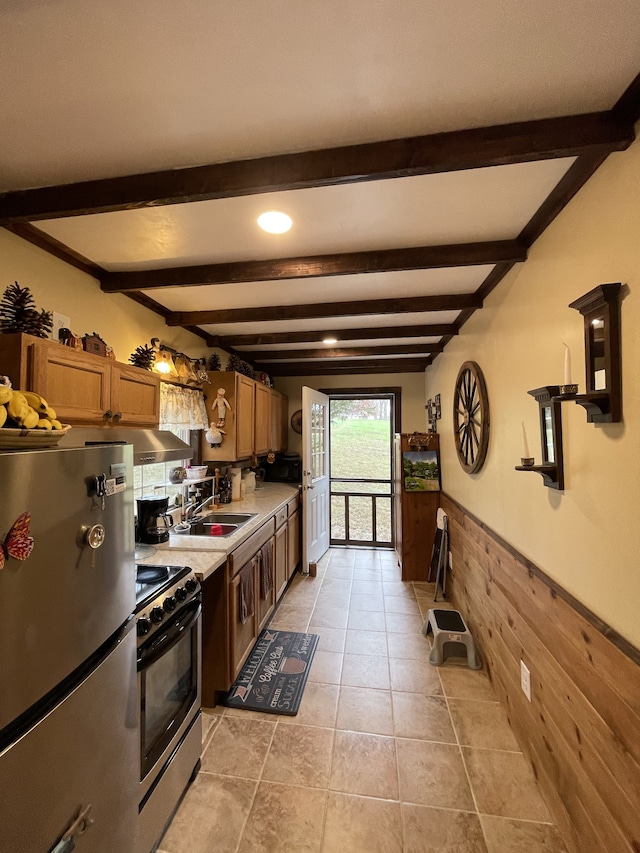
(221, 404)
(214, 435)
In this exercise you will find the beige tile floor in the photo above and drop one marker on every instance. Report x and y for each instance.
(387, 754)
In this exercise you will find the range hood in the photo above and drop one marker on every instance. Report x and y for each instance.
(149, 445)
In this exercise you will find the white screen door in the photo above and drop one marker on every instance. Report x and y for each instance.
(315, 475)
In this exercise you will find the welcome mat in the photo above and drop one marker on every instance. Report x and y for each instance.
(275, 673)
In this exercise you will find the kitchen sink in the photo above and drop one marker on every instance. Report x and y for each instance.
(237, 518)
(217, 524)
(202, 528)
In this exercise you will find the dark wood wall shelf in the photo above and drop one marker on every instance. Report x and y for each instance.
(600, 309)
(552, 475)
(550, 407)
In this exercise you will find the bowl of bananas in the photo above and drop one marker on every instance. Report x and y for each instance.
(27, 420)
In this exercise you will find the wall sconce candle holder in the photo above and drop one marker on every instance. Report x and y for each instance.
(603, 353)
(552, 467)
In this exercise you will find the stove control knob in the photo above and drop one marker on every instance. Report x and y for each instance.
(191, 585)
(143, 626)
(181, 593)
(169, 603)
(157, 615)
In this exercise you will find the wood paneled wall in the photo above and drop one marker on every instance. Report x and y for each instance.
(581, 731)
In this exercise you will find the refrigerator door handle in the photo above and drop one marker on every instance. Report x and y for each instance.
(79, 826)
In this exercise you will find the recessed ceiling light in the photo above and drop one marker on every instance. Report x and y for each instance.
(329, 340)
(275, 222)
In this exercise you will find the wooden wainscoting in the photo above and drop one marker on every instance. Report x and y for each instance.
(581, 730)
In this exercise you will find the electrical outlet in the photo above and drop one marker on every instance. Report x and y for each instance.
(450, 560)
(60, 321)
(525, 680)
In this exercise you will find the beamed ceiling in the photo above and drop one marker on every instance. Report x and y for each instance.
(419, 149)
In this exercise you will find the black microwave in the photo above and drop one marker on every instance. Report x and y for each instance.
(287, 468)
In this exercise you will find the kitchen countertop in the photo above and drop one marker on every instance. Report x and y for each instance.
(205, 554)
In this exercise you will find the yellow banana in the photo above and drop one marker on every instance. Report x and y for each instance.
(56, 424)
(50, 413)
(44, 423)
(5, 394)
(17, 407)
(30, 419)
(3, 415)
(34, 400)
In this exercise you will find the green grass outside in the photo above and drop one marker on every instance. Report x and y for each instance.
(360, 449)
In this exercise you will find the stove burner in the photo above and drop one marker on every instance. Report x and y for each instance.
(151, 574)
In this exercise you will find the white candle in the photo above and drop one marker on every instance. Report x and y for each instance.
(525, 444)
(567, 365)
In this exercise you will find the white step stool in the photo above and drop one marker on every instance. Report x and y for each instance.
(448, 629)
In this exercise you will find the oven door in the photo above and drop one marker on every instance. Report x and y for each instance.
(170, 688)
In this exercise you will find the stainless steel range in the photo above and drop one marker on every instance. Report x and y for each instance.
(168, 624)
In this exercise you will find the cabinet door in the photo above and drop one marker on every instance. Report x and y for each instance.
(293, 543)
(262, 439)
(242, 635)
(266, 605)
(275, 422)
(135, 396)
(244, 417)
(280, 560)
(77, 386)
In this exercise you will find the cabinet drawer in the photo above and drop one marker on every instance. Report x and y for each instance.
(293, 505)
(244, 552)
(281, 517)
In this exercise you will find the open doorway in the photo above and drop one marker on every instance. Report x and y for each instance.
(362, 426)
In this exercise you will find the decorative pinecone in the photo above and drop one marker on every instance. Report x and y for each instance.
(234, 362)
(19, 314)
(213, 362)
(144, 357)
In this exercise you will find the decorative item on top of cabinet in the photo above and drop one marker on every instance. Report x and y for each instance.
(19, 314)
(471, 417)
(143, 356)
(550, 415)
(600, 309)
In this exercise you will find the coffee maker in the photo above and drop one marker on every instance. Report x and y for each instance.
(153, 521)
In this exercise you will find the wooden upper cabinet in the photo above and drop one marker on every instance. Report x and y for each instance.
(237, 440)
(246, 417)
(135, 396)
(83, 388)
(262, 439)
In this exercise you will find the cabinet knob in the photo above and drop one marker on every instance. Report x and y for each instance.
(108, 415)
(117, 416)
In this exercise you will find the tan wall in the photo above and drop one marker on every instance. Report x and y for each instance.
(56, 286)
(587, 538)
(414, 417)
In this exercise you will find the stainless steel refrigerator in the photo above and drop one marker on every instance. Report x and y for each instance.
(68, 695)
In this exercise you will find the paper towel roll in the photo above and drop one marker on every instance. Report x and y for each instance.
(236, 476)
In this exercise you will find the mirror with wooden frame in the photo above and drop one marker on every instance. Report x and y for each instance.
(600, 309)
(552, 467)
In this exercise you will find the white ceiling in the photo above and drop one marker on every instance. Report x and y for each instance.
(98, 90)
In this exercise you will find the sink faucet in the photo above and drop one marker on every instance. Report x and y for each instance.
(192, 510)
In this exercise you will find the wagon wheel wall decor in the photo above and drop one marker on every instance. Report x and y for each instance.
(471, 417)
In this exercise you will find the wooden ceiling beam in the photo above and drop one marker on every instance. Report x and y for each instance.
(433, 330)
(314, 266)
(343, 352)
(563, 136)
(406, 305)
(348, 367)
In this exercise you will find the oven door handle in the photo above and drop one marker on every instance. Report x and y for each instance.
(158, 646)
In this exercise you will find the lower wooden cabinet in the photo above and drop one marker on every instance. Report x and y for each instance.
(293, 543)
(227, 639)
(280, 560)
